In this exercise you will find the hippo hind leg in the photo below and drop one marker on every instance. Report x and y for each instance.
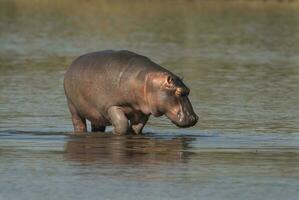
(97, 128)
(79, 122)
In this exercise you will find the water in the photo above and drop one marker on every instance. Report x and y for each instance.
(239, 58)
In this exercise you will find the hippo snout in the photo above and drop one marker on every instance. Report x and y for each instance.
(186, 120)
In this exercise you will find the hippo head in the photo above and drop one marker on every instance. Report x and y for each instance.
(168, 95)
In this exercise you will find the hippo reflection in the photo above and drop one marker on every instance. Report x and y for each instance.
(123, 89)
(99, 148)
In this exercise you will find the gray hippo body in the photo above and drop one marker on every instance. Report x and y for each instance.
(123, 89)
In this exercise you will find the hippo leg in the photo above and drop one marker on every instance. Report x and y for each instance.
(79, 122)
(118, 120)
(97, 128)
(138, 124)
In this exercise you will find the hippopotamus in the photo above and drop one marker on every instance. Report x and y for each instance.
(122, 89)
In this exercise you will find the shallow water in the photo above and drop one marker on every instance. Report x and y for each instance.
(239, 58)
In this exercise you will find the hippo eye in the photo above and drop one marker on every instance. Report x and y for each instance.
(186, 92)
(182, 92)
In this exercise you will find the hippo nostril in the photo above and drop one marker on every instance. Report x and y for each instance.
(193, 118)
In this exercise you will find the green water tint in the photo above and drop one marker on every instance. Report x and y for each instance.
(239, 58)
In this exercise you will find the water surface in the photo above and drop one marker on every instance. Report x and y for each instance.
(239, 58)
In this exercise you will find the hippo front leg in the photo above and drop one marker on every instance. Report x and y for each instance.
(137, 125)
(118, 120)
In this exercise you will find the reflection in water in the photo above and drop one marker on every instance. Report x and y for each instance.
(141, 150)
(152, 154)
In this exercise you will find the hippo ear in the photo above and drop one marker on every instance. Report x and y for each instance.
(170, 81)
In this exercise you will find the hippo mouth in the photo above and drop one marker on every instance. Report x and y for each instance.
(185, 125)
(185, 122)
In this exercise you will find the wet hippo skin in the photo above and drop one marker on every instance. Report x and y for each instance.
(122, 89)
